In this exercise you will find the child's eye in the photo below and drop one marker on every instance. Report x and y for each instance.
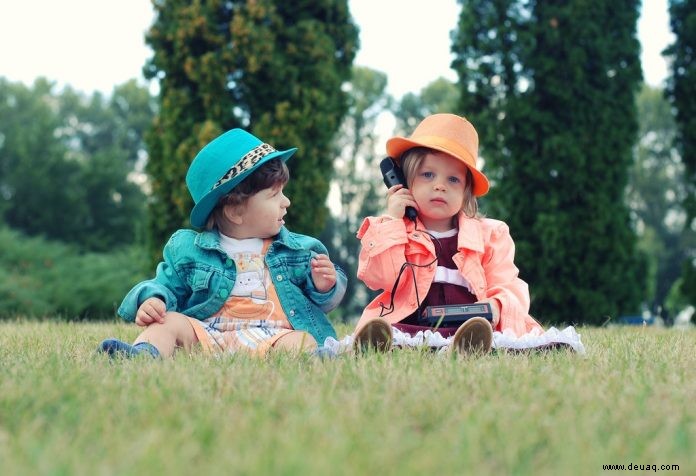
(454, 179)
(427, 174)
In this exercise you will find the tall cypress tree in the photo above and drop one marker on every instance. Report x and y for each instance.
(681, 90)
(558, 122)
(492, 46)
(272, 67)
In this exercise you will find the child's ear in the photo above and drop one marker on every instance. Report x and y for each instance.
(233, 214)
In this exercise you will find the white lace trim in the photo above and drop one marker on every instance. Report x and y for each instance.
(501, 340)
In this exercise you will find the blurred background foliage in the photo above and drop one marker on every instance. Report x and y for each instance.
(40, 278)
(592, 169)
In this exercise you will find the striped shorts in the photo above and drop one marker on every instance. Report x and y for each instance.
(220, 334)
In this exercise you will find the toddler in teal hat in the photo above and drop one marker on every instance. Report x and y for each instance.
(244, 283)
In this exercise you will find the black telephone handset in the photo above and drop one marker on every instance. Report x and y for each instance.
(393, 175)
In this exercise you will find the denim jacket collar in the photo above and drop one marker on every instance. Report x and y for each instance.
(209, 240)
(285, 238)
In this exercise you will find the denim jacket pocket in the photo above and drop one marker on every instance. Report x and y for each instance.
(199, 280)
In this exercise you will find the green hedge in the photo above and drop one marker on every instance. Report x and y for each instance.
(40, 278)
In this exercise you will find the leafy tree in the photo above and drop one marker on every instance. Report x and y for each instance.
(39, 278)
(552, 95)
(273, 67)
(133, 108)
(356, 178)
(492, 45)
(37, 185)
(65, 160)
(656, 195)
(681, 90)
(687, 285)
(106, 137)
(440, 95)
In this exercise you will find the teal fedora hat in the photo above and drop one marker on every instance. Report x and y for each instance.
(222, 165)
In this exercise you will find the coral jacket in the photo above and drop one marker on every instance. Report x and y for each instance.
(485, 258)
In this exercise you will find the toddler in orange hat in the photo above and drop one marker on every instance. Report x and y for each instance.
(447, 257)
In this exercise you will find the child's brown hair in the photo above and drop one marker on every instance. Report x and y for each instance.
(273, 173)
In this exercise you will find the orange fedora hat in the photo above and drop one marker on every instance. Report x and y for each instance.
(447, 133)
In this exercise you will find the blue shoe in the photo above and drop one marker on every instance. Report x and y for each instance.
(118, 348)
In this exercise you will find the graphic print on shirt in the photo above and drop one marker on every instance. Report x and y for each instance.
(249, 298)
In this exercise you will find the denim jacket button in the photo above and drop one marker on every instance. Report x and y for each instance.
(292, 312)
(279, 277)
(223, 292)
(228, 262)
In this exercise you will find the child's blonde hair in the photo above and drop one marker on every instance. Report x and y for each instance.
(412, 159)
(273, 173)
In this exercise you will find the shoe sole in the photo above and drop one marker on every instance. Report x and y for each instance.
(475, 336)
(376, 336)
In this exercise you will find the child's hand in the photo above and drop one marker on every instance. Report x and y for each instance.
(398, 198)
(152, 310)
(323, 273)
(495, 310)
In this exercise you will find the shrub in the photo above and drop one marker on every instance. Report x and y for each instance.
(40, 277)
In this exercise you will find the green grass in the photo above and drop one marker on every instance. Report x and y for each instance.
(65, 410)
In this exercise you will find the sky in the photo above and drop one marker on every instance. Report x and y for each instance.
(93, 45)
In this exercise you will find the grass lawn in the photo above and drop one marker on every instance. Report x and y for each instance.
(65, 410)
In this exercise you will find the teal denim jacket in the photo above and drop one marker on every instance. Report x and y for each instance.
(197, 276)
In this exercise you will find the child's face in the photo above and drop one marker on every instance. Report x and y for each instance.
(262, 214)
(438, 188)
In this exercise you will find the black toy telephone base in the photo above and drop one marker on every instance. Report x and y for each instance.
(456, 315)
(393, 175)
